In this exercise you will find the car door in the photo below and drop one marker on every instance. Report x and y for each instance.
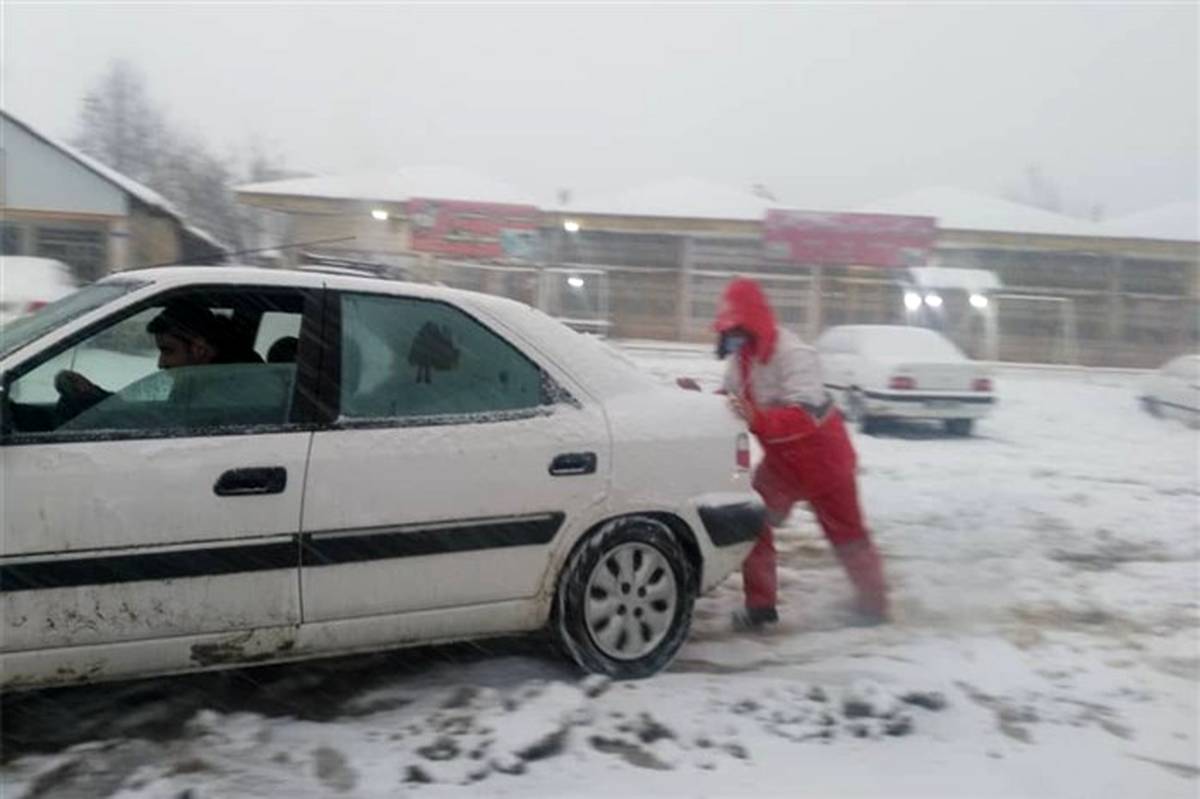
(154, 511)
(456, 465)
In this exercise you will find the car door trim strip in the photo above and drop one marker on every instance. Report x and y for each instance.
(316, 549)
(143, 566)
(383, 543)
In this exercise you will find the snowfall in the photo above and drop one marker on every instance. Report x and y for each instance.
(1046, 643)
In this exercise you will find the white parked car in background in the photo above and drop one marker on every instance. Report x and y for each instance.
(878, 372)
(1174, 390)
(367, 464)
(26, 284)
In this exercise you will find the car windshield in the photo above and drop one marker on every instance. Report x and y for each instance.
(910, 343)
(27, 329)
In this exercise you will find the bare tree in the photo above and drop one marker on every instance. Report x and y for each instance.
(121, 126)
(1037, 189)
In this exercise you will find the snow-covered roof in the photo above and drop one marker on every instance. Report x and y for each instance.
(684, 197)
(205, 236)
(1175, 222)
(401, 185)
(143, 194)
(958, 209)
(973, 281)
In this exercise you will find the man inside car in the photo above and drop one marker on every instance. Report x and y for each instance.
(185, 333)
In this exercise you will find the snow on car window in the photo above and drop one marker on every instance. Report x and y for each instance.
(404, 357)
(901, 342)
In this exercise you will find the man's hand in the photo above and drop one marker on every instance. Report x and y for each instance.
(73, 384)
(739, 407)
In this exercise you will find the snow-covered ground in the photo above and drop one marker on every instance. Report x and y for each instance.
(1046, 643)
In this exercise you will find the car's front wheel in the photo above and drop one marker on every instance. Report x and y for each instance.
(624, 602)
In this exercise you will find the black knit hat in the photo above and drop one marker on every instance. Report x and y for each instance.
(186, 319)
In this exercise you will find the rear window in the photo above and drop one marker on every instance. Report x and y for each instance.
(835, 342)
(599, 365)
(908, 343)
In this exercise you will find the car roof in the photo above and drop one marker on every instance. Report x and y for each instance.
(234, 275)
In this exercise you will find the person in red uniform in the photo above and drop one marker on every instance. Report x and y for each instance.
(774, 382)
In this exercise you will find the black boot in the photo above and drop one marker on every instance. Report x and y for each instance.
(754, 618)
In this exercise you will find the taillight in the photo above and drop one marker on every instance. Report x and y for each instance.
(982, 384)
(902, 383)
(742, 457)
(35, 305)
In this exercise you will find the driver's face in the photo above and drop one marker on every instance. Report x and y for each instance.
(175, 351)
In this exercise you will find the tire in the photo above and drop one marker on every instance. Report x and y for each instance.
(625, 598)
(959, 427)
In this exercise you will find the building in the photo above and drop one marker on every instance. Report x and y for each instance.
(367, 214)
(56, 202)
(1063, 290)
(1124, 293)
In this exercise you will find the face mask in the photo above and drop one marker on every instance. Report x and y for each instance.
(731, 343)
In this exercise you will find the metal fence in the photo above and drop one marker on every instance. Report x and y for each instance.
(638, 302)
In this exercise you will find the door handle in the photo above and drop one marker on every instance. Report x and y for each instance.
(573, 463)
(250, 481)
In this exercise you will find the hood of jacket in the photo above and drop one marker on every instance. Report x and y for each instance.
(745, 305)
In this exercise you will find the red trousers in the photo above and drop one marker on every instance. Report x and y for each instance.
(818, 469)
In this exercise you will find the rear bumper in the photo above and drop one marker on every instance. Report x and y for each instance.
(915, 405)
(731, 524)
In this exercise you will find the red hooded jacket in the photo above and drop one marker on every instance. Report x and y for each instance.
(817, 451)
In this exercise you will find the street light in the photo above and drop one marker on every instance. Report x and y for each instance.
(575, 282)
(379, 214)
(933, 300)
(979, 301)
(571, 226)
(912, 300)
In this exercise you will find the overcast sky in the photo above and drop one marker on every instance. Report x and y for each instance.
(830, 106)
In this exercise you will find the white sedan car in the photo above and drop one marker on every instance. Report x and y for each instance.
(880, 372)
(27, 284)
(1174, 390)
(356, 464)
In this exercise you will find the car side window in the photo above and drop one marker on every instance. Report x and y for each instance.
(412, 358)
(185, 365)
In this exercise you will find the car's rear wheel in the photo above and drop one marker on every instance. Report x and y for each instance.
(959, 427)
(624, 603)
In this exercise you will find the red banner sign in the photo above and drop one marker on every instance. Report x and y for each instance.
(826, 239)
(462, 229)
